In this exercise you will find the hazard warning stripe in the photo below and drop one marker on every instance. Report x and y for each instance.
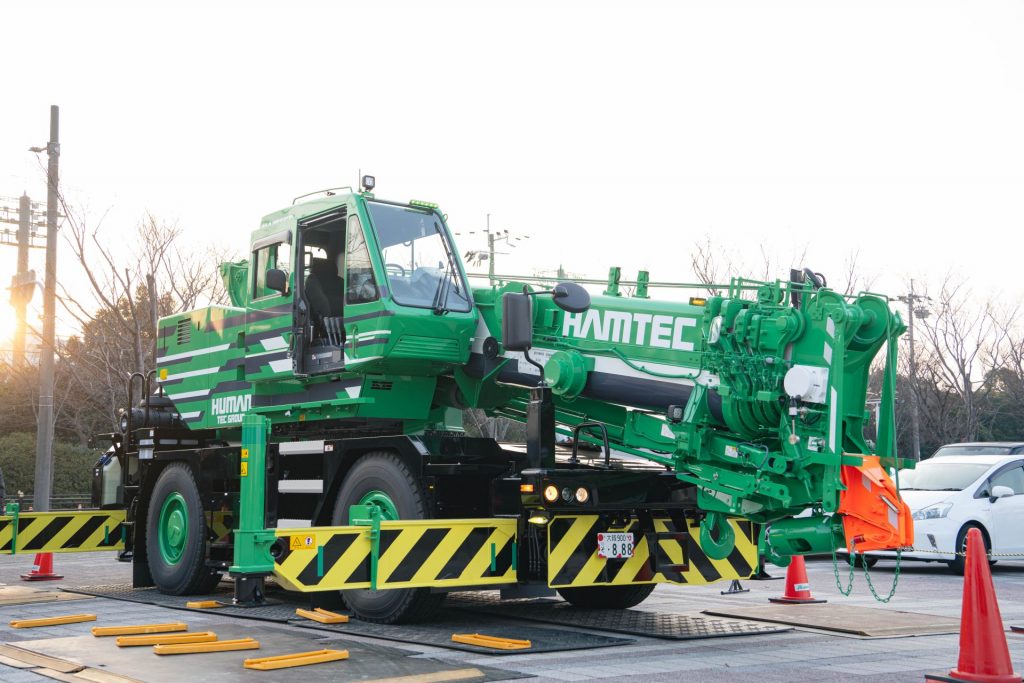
(63, 532)
(412, 554)
(573, 559)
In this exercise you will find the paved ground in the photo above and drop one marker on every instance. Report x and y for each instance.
(799, 655)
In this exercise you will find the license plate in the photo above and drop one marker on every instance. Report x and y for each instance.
(615, 545)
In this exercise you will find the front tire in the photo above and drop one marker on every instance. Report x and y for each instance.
(176, 534)
(607, 597)
(959, 564)
(382, 479)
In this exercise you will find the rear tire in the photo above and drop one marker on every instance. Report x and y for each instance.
(176, 534)
(381, 478)
(607, 597)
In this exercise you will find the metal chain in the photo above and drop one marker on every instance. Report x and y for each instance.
(845, 592)
(964, 553)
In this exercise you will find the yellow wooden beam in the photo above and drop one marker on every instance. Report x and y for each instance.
(295, 659)
(53, 621)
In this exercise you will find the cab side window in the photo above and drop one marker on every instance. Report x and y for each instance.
(360, 285)
(269, 257)
(1013, 477)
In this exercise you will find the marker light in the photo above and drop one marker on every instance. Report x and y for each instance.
(538, 517)
(698, 301)
(551, 493)
(425, 205)
(526, 488)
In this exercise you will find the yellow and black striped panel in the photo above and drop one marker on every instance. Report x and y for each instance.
(413, 554)
(220, 523)
(573, 560)
(63, 532)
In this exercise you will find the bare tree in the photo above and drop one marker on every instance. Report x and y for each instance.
(963, 344)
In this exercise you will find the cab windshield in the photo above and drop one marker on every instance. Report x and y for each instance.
(939, 475)
(418, 258)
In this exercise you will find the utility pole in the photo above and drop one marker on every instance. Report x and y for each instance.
(474, 257)
(44, 426)
(23, 281)
(914, 310)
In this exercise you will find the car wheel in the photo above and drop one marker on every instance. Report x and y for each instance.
(862, 560)
(958, 564)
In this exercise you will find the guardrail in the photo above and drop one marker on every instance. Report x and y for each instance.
(70, 502)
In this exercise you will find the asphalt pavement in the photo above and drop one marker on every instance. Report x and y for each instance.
(792, 656)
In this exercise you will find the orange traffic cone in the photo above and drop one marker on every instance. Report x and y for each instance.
(984, 655)
(42, 569)
(798, 590)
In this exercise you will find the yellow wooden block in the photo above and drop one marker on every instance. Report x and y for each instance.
(99, 631)
(492, 642)
(322, 616)
(52, 621)
(204, 604)
(214, 646)
(167, 639)
(295, 659)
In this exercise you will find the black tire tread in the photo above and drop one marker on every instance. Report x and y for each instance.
(417, 604)
(607, 597)
(199, 578)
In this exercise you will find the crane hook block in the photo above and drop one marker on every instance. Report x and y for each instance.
(874, 516)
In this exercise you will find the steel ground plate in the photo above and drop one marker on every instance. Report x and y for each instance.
(439, 633)
(275, 611)
(629, 621)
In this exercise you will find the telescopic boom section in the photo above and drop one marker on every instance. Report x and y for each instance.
(756, 396)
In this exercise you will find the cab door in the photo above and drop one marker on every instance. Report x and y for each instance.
(366, 326)
(269, 314)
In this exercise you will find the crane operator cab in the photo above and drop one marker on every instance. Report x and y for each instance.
(373, 284)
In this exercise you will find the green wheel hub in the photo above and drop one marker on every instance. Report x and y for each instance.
(172, 528)
(388, 511)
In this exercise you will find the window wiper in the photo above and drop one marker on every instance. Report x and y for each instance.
(441, 294)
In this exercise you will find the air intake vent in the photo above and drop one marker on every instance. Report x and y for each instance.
(184, 331)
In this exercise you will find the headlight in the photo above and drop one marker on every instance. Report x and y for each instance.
(937, 511)
(550, 493)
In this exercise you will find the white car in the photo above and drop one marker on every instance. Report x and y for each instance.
(952, 494)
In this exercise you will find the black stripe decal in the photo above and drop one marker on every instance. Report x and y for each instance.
(467, 550)
(557, 529)
(739, 563)
(48, 532)
(503, 562)
(575, 562)
(333, 550)
(430, 541)
(361, 574)
(23, 523)
(83, 534)
(701, 562)
(114, 538)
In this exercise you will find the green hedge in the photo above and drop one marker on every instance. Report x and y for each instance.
(72, 465)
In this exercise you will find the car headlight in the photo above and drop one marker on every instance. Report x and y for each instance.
(937, 511)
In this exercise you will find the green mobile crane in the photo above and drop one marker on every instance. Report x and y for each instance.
(311, 429)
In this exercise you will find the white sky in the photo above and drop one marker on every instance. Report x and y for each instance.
(610, 133)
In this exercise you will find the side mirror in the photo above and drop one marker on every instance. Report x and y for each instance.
(516, 322)
(570, 297)
(1001, 492)
(277, 280)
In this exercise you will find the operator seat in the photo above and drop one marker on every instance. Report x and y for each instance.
(324, 290)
